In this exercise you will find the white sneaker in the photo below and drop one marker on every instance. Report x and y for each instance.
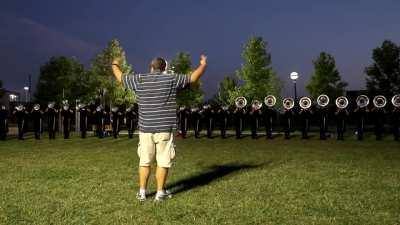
(163, 196)
(140, 197)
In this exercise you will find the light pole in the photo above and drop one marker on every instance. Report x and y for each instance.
(26, 88)
(293, 77)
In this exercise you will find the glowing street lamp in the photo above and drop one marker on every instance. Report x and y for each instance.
(26, 88)
(294, 76)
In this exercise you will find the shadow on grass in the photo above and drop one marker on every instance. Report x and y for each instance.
(211, 174)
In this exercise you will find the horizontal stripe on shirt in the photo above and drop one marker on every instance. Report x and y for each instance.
(156, 96)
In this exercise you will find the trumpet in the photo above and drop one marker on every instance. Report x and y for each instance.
(240, 102)
(362, 101)
(396, 100)
(50, 105)
(114, 109)
(81, 105)
(66, 106)
(305, 102)
(379, 101)
(19, 107)
(256, 105)
(206, 106)
(342, 102)
(270, 101)
(288, 103)
(36, 107)
(323, 100)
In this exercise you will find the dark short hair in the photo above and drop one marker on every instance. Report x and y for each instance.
(158, 64)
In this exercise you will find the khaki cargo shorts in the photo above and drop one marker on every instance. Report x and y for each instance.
(157, 147)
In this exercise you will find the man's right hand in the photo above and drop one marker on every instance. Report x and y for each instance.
(203, 60)
(200, 70)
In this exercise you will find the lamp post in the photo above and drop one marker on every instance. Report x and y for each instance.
(26, 88)
(293, 77)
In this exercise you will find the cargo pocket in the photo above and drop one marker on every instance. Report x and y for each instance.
(172, 151)
(138, 150)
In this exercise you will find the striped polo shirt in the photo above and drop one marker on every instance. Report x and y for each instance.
(156, 97)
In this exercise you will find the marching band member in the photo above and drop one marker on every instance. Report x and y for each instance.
(287, 116)
(239, 114)
(83, 119)
(360, 115)
(51, 120)
(196, 116)
(117, 115)
(269, 116)
(21, 115)
(322, 112)
(254, 114)
(131, 118)
(305, 116)
(209, 119)
(67, 116)
(341, 114)
(37, 115)
(396, 121)
(99, 115)
(3, 122)
(223, 115)
(183, 116)
(378, 114)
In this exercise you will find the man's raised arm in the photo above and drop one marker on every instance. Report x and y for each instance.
(116, 70)
(195, 76)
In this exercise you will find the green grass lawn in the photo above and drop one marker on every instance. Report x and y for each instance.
(215, 181)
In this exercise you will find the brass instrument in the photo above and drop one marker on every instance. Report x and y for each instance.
(114, 109)
(51, 105)
(379, 101)
(194, 109)
(305, 102)
(362, 101)
(256, 105)
(396, 100)
(288, 103)
(36, 107)
(19, 107)
(206, 106)
(342, 102)
(81, 105)
(240, 102)
(323, 100)
(270, 101)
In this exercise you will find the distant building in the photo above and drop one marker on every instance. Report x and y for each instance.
(10, 99)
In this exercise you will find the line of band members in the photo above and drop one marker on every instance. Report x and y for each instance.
(206, 117)
(103, 120)
(210, 118)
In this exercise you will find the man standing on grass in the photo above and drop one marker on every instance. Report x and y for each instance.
(156, 95)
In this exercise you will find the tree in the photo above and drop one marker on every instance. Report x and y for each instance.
(192, 95)
(326, 78)
(383, 76)
(107, 89)
(225, 87)
(57, 80)
(256, 72)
